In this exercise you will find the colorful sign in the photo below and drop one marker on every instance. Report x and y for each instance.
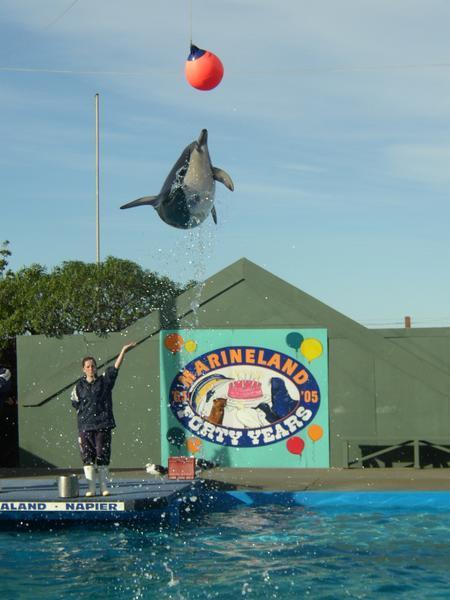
(245, 397)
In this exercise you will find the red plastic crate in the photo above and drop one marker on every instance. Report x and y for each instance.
(181, 467)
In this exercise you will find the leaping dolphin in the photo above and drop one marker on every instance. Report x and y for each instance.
(187, 195)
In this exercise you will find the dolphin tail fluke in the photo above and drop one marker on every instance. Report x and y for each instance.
(223, 177)
(214, 214)
(151, 200)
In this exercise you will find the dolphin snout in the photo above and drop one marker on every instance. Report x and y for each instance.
(202, 138)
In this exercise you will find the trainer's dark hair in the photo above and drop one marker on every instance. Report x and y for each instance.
(86, 358)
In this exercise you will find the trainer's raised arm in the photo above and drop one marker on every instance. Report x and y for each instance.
(122, 353)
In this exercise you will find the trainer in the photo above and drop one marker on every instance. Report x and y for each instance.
(92, 399)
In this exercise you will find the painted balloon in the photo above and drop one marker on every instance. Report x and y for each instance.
(294, 339)
(295, 445)
(176, 436)
(311, 349)
(193, 445)
(315, 432)
(190, 346)
(173, 342)
(203, 70)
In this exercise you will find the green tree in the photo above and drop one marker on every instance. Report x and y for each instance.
(4, 254)
(80, 297)
(21, 298)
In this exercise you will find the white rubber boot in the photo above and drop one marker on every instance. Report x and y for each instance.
(91, 477)
(103, 476)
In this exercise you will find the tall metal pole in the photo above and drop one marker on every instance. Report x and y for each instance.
(97, 177)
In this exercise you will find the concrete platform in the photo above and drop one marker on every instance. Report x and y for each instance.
(36, 499)
(356, 479)
(138, 497)
(402, 479)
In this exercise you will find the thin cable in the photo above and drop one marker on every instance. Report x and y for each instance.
(347, 69)
(72, 72)
(190, 23)
(59, 17)
(299, 71)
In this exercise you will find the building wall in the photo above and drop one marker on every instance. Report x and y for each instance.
(47, 371)
(384, 386)
(375, 402)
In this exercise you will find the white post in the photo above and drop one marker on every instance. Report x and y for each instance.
(97, 177)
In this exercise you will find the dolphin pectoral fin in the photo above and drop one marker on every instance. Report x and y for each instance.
(223, 177)
(151, 200)
(214, 214)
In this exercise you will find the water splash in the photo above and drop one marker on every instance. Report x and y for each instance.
(246, 589)
(172, 582)
(198, 248)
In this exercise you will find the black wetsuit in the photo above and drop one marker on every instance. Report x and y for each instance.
(93, 403)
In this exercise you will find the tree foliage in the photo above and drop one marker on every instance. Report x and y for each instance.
(79, 297)
(4, 253)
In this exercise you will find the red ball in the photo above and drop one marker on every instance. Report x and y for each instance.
(204, 70)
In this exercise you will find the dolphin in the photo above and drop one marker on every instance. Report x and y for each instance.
(187, 195)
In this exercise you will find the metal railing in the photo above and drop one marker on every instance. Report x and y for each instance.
(386, 450)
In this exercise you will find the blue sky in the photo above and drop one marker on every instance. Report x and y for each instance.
(333, 119)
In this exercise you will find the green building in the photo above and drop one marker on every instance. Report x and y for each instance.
(388, 390)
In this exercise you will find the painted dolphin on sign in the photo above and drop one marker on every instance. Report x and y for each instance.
(187, 196)
(203, 390)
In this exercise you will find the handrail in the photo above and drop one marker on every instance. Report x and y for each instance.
(441, 444)
(138, 343)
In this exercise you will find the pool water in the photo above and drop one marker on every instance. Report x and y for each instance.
(261, 552)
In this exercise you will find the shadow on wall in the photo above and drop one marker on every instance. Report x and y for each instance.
(27, 459)
(9, 434)
(221, 457)
(9, 452)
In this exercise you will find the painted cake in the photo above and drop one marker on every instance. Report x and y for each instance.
(245, 389)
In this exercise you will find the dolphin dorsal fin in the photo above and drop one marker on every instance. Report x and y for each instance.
(223, 177)
(150, 200)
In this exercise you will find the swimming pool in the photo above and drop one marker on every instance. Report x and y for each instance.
(279, 551)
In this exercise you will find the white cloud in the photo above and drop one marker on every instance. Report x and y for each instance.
(295, 122)
(302, 168)
(424, 163)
